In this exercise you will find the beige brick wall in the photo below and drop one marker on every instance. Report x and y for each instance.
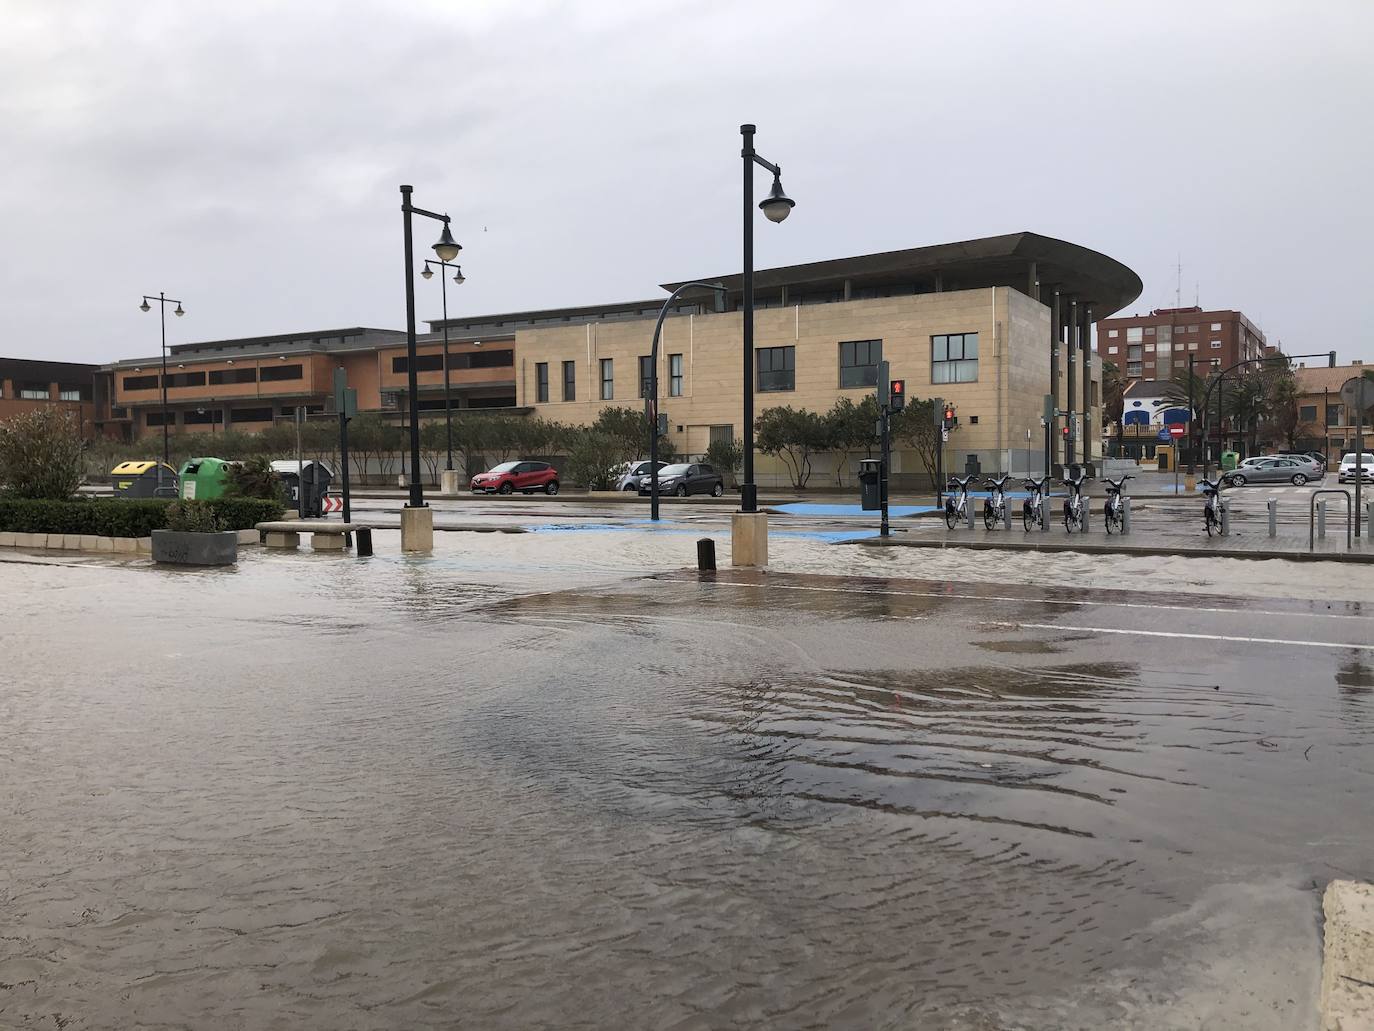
(1013, 335)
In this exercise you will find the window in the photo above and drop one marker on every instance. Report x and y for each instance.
(220, 376)
(140, 382)
(1307, 413)
(155, 419)
(674, 375)
(1192, 329)
(646, 374)
(1216, 363)
(1133, 370)
(973, 420)
(186, 379)
(777, 368)
(1335, 415)
(1216, 327)
(1166, 333)
(1111, 332)
(722, 435)
(954, 358)
(36, 391)
(1149, 331)
(1216, 345)
(1133, 335)
(1112, 350)
(69, 394)
(251, 415)
(859, 362)
(203, 417)
(1163, 348)
(1133, 352)
(497, 359)
(423, 363)
(607, 379)
(280, 372)
(1192, 345)
(1149, 348)
(541, 383)
(570, 381)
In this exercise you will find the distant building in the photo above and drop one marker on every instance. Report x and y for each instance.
(26, 384)
(1156, 346)
(1147, 413)
(1324, 424)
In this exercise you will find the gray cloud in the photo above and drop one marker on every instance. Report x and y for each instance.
(245, 157)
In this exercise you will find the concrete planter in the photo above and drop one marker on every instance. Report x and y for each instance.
(195, 549)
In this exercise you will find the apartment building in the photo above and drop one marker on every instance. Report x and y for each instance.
(1325, 423)
(1157, 345)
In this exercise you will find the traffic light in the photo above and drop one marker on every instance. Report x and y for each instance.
(1065, 431)
(898, 395)
(951, 420)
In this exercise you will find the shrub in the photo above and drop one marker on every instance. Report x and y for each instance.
(594, 459)
(123, 517)
(726, 457)
(254, 478)
(40, 454)
(245, 513)
(192, 517)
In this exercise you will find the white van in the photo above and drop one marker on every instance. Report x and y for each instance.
(1366, 468)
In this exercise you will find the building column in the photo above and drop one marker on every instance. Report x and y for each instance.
(1055, 330)
(1071, 444)
(1086, 334)
(1033, 281)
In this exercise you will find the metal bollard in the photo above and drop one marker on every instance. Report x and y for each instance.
(1006, 515)
(706, 554)
(1273, 504)
(971, 507)
(1321, 517)
(1225, 517)
(364, 541)
(1087, 511)
(1125, 516)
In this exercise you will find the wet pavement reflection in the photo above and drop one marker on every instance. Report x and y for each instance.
(522, 784)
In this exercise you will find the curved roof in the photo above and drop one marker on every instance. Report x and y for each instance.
(1076, 271)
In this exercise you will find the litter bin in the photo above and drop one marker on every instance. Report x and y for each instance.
(1229, 459)
(871, 483)
(205, 478)
(140, 480)
(973, 467)
(317, 477)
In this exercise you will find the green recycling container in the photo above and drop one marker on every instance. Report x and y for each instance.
(204, 478)
(1229, 460)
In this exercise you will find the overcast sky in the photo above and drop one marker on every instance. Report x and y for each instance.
(244, 157)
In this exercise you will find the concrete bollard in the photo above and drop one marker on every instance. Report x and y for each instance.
(1225, 517)
(706, 554)
(1006, 514)
(364, 541)
(1273, 504)
(1125, 516)
(1087, 511)
(1321, 517)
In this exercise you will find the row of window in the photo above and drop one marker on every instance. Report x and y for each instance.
(217, 377)
(953, 359)
(496, 359)
(1133, 351)
(1134, 333)
(1335, 414)
(215, 416)
(39, 392)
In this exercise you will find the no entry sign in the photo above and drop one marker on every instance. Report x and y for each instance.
(1177, 430)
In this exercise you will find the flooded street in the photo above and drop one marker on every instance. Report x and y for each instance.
(554, 779)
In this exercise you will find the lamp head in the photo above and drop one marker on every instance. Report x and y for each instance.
(177, 310)
(458, 276)
(145, 306)
(777, 205)
(447, 248)
(427, 272)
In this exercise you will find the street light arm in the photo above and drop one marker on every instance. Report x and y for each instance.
(775, 169)
(161, 300)
(428, 214)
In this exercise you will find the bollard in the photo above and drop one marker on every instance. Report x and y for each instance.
(1273, 504)
(1321, 517)
(1225, 517)
(971, 507)
(1125, 516)
(364, 541)
(706, 554)
(1087, 511)
(1006, 515)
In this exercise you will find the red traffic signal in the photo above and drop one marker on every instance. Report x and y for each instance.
(897, 395)
(1065, 431)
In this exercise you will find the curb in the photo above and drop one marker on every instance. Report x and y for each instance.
(1144, 551)
(1347, 1001)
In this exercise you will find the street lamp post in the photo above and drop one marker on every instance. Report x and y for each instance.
(458, 278)
(163, 300)
(447, 249)
(777, 206)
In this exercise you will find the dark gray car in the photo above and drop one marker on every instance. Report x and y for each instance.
(683, 479)
(1275, 470)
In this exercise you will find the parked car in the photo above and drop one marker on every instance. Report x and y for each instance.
(683, 479)
(508, 477)
(1316, 456)
(633, 472)
(1274, 470)
(1347, 473)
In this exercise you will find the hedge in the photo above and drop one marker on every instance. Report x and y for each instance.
(120, 517)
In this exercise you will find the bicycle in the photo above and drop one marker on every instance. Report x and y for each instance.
(956, 510)
(1073, 504)
(1115, 509)
(1033, 510)
(995, 505)
(1211, 506)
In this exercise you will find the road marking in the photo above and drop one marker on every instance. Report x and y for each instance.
(1000, 597)
(1173, 633)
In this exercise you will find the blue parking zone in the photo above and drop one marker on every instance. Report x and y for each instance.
(815, 509)
(668, 527)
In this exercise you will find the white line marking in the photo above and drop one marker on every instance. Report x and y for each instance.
(999, 597)
(1172, 633)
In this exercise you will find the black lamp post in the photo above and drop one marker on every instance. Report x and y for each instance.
(458, 278)
(163, 300)
(447, 249)
(777, 206)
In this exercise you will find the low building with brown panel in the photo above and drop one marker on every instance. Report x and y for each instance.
(1325, 422)
(27, 384)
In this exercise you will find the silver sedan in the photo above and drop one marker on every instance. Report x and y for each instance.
(1274, 470)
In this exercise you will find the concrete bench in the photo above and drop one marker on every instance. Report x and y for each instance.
(324, 535)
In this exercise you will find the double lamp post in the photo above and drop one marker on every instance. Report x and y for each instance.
(458, 278)
(163, 300)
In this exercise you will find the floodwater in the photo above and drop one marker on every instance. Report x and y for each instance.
(519, 784)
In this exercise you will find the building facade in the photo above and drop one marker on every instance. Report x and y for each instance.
(26, 384)
(1324, 422)
(1156, 346)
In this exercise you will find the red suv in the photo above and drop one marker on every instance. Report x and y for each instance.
(508, 477)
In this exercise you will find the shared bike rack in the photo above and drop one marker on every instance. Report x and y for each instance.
(1312, 517)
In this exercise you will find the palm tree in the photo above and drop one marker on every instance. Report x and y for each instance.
(1243, 401)
(1114, 399)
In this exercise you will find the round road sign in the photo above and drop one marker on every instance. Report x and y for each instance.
(1357, 393)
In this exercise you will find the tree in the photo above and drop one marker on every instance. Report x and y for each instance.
(629, 425)
(1281, 396)
(1243, 402)
(792, 434)
(1114, 399)
(254, 478)
(41, 455)
(915, 428)
(595, 457)
(852, 427)
(726, 456)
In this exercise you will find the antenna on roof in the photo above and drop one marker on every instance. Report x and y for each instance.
(1178, 290)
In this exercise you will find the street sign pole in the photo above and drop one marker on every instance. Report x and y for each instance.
(884, 407)
(1357, 393)
(346, 404)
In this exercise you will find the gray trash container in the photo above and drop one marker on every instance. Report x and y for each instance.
(871, 483)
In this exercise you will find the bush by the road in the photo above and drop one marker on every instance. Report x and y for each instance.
(41, 454)
(122, 517)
